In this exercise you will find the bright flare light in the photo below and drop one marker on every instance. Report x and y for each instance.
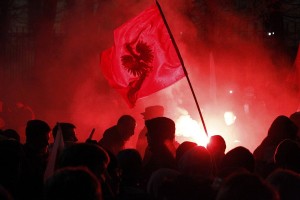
(188, 129)
(229, 118)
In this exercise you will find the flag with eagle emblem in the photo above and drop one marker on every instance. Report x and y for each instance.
(143, 59)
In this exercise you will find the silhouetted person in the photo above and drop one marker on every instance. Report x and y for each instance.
(76, 183)
(68, 132)
(281, 128)
(36, 151)
(197, 163)
(92, 156)
(37, 137)
(246, 186)
(114, 173)
(160, 138)
(185, 187)
(115, 138)
(150, 113)
(183, 148)
(286, 182)
(157, 181)
(287, 155)
(295, 117)
(216, 147)
(130, 162)
(12, 168)
(196, 167)
(237, 159)
(11, 134)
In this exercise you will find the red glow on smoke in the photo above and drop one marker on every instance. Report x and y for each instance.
(231, 65)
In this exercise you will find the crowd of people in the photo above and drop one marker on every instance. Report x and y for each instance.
(162, 170)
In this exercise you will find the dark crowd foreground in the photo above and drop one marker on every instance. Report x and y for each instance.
(164, 170)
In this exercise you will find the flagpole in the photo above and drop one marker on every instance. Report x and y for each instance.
(182, 63)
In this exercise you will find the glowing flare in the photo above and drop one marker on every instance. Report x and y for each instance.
(229, 118)
(188, 129)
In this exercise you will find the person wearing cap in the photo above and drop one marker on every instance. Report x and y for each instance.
(149, 113)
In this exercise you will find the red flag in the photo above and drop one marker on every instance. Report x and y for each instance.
(143, 59)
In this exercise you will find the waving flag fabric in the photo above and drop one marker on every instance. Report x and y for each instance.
(143, 59)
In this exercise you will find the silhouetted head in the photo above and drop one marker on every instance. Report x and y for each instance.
(73, 183)
(68, 132)
(295, 117)
(91, 156)
(286, 182)
(37, 134)
(186, 187)
(126, 126)
(153, 111)
(282, 128)
(216, 145)
(11, 134)
(158, 179)
(159, 130)
(287, 155)
(184, 147)
(246, 186)
(196, 162)
(237, 159)
(130, 162)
